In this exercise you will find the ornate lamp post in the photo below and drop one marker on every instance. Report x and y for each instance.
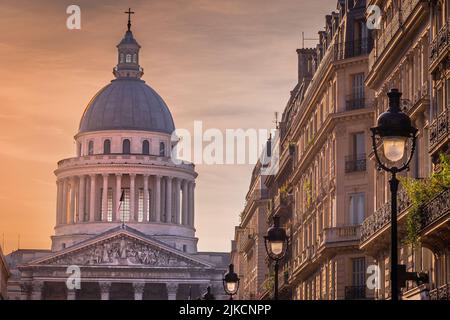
(276, 245)
(231, 282)
(393, 131)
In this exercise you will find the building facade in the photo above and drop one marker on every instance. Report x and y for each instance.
(327, 126)
(4, 276)
(124, 209)
(248, 255)
(322, 188)
(411, 53)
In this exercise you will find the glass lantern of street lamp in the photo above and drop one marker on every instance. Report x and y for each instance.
(393, 129)
(231, 281)
(276, 240)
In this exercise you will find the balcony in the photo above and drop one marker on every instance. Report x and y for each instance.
(339, 235)
(441, 293)
(355, 163)
(439, 129)
(247, 239)
(382, 217)
(355, 292)
(439, 44)
(436, 209)
(354, 103)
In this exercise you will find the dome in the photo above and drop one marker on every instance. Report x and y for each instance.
(127, 104)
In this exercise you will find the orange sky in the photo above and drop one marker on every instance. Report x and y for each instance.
(230, 64)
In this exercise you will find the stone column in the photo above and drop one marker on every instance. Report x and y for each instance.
(191, 203)
(64, 203)
(172, 290)
(72, 200)
(177, 200)
(116, 211)
(104, 290)
(146, 195)
(105, 197)
(169, 199)
(184, 213)
(59, 193)
(138, 290)
(71, 294)
(133, 216)
(81, 198)
(158, 198)
(92, 198)
(36, 290)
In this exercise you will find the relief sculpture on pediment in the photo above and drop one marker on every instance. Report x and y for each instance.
(121, 251)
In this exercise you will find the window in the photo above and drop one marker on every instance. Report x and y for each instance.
(121, 58)
(145, 147)
(135, 58)
(128, 58)
(141, 205)
(125, 206)
(91, 148)
(184, 248)
(107, 146)
(357, 208)
(126, 146)
(162, 149)
(109, 204)
(358, 144)
(358, 272)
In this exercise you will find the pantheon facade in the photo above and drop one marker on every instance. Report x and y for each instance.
(124, 209)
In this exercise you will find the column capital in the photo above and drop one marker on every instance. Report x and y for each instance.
(139, 287)
(92, 175)
(105, 175)
(132, 175)
(169, 178)
(118, 174)
(104, 286)
(172, 287)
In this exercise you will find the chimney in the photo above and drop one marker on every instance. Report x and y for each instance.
(305, 63)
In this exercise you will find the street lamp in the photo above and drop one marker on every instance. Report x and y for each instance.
(276, 245)
(393, 131)
(231, 282)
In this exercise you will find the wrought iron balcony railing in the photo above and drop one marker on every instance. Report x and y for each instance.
(354, 103)
(439, 128)
(382, 216)
(355, 163)
(441, 293)
(435, 209)
(355, 292)
(440, 42)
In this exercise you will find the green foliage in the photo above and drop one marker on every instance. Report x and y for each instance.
(270, 283)
(422, 191)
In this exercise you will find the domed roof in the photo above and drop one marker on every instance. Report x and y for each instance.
(127, 104)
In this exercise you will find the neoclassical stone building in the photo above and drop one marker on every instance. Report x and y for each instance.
(124, 210)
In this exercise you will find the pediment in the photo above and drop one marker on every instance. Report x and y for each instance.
(123, 249)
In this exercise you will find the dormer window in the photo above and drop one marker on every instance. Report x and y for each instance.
(128, 58)
(121, 58)
(135, 58)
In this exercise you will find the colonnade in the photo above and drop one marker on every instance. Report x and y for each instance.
(147, 198)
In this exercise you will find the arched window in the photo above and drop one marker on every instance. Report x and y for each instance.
(126, 146)
(162, 149)
(91, 148)
(145, 147)
(107, 146)
(135, 58)
(128, 58)
(121, 58)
